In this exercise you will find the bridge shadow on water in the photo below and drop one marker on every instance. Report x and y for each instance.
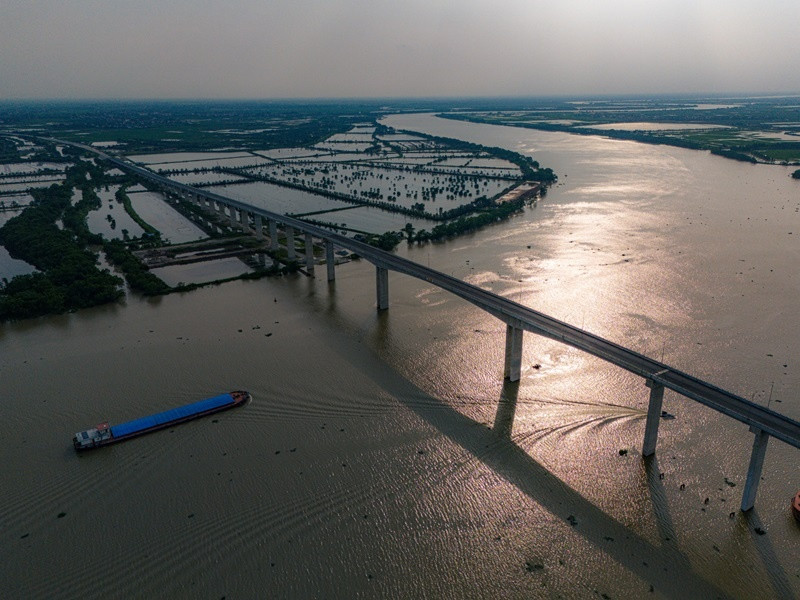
(662, 565)
(748, 526)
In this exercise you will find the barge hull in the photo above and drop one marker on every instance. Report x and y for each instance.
(162, 420)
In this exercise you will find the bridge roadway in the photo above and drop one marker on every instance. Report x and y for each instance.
(762, 421)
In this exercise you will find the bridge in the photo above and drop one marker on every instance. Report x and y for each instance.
(658, 376)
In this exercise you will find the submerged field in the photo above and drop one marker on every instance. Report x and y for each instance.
(365, 166)
(340, 170)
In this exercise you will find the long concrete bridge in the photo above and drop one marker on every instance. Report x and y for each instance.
(763, 422)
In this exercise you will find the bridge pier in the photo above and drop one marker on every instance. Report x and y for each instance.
(273, 235)
(513, 361)
(291, 256)
(382, 284)
(259, 227)
(653, 417)
(232, 216)
(309, 252)
(330, 261)
(754, 471)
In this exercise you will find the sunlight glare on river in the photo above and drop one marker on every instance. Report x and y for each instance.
(384, 456)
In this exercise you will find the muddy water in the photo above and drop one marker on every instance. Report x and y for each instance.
(382, 456)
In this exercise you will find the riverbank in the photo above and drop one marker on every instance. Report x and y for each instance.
(404, 462)
(755, 130)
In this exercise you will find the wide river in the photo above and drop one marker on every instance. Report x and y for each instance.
(382, 456)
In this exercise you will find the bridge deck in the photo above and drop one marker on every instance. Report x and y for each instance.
(517, 315)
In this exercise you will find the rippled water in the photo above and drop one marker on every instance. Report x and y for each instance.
(382, 456)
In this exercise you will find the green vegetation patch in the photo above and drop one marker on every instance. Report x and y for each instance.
(69, 278)
(732, 127)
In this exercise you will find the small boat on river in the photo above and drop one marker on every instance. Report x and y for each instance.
(796, 507)
(104, 435)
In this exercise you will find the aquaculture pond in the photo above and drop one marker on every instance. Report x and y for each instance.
(201, 272)
(280, 199)
(155, 211)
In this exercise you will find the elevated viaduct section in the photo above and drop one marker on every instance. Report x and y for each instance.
(658, 376)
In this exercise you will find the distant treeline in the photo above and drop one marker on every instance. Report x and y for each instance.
(745, 150)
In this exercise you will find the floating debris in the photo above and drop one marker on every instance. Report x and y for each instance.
(572, 520)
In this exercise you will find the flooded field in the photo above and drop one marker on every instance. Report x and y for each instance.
(209, 163)
(204, 178)
(394, 170)
(15, 186)
(180, 157)
(202, 272)
(30, 167)
(383, 456)
(394, 185)
(110, 220)
(280, 199)
(11, 267)
(173, 226)
(373, 220)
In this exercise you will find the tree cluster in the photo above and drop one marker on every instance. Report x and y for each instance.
(68, 277)
(136, 274)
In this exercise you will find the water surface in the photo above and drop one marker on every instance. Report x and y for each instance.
(382, 456)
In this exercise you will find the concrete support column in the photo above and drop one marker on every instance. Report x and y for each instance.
(290, 244)
(513, 362)
(754, 471)
(382, 281)
(653, 417)
(330, 261)
(221, 208)
(244, 220)
(259, 226)
(273, 235)
(309, 252)
(234, 221)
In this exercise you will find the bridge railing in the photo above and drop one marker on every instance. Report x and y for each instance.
(762, 421)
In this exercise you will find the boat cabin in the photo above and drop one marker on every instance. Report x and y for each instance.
(92, 437)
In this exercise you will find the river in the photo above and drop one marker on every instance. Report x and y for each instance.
(382, 455)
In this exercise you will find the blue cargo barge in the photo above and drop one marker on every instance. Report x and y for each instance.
(103, 435)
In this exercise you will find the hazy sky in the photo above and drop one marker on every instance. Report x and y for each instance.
(369, 48)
